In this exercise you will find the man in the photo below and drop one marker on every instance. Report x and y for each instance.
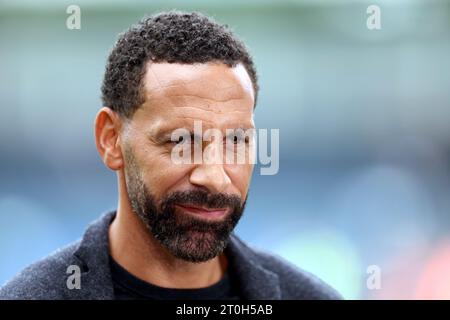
(171, 236)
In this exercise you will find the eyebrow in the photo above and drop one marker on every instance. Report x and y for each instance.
(165, 134)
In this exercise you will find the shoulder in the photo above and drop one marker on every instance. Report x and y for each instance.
(44, 279)
(49, 278)
(295, 283)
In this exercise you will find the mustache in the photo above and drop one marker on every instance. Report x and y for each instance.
(203, 199)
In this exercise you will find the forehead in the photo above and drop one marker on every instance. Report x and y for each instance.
(212, 92)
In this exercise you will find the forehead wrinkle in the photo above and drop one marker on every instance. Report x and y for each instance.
(218, 122)
(179, 89)
(185, 102)
(163, 86)
(189, 107)
(221, 88)
(219, 79)
(205, 98)
(204, 93)
(198, 81)
(184, 111)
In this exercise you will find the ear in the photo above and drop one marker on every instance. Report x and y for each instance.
(107, 138)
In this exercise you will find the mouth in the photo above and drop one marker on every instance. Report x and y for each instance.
(206, 213)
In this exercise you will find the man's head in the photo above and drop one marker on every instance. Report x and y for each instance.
(174, 37)
(163, 74)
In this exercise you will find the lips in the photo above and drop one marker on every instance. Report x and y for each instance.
(209, 213)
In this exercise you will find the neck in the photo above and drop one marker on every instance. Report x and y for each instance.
(135, 249)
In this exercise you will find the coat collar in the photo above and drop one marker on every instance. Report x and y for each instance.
(96, 281)
(255, 281)
(93, 252)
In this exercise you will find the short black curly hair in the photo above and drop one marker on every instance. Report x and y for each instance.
(174, 37)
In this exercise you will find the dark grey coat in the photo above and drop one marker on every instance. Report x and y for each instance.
(261, 276)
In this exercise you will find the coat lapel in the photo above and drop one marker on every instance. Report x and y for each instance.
(93, 253)
(255, 281)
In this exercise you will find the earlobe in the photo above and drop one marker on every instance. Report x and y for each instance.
(107, 138)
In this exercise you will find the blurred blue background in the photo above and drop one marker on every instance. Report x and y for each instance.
(363, 115)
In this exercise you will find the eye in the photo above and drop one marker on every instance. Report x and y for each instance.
(236, 139)
(182, 139)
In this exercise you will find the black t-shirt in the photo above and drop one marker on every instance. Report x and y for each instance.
(129, 287)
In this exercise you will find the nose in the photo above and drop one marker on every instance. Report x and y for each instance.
(211, 176)
(210, 173)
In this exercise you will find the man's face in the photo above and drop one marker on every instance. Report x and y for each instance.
(189, 208)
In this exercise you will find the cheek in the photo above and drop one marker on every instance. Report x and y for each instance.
(161, 174)
(240, 175)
